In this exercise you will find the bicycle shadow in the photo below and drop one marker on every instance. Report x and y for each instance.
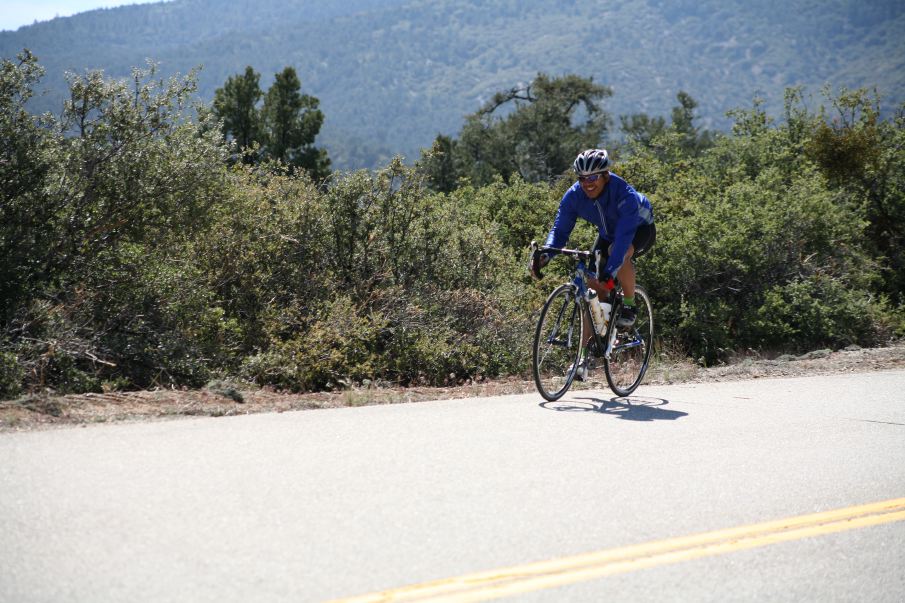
(632, 408)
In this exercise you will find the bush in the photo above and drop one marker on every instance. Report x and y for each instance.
(736, 237)
(11, 376)
(818, 312)
(49, 353)
(134, 255)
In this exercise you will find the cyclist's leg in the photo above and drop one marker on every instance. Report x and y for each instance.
(643, 241)
(586, 334)
(626, 273)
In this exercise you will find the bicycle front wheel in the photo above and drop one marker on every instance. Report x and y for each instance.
(557, 343)
(627, 362)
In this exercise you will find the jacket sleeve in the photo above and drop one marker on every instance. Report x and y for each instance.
(629, 217)
(566, 216)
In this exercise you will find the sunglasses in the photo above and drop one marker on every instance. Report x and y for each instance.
(589, 178)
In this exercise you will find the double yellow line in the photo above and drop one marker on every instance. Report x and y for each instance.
(505, 582)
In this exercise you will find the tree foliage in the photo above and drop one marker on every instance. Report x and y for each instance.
(680, 140)
(762, 247)
(282, 130)
(24, 166)
(530, 130)
(120, 174)
(290, 123)
(236, 105)
(863, 157)
(136, 254)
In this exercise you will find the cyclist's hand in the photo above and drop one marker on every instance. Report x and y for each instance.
(538, 261)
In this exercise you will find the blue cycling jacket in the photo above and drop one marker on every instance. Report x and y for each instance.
(617, 213)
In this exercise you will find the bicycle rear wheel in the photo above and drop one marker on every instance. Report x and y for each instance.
(557, 343)
(628, 361)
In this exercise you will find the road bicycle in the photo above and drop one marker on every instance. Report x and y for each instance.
(568, 314)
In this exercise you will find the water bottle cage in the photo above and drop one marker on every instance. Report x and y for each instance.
(599, 312)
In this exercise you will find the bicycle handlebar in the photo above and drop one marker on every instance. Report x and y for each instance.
(576, 253)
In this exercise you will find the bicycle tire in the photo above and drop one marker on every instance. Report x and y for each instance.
(557, 342)
(628, 361)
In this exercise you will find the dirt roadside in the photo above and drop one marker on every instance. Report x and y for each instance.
(224, 399)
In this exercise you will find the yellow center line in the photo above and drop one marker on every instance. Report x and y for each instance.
(484, 586)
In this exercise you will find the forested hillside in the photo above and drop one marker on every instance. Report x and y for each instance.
(392, 74)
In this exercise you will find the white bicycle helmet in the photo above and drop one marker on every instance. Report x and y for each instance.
(592, 161)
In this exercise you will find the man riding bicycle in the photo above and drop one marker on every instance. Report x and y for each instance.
(625, 226)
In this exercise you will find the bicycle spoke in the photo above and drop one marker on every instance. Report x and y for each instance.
(627, 363)
(556, 343)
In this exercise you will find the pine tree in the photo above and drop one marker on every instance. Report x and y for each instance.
(291, 121)
(553, 119)
(235, 105)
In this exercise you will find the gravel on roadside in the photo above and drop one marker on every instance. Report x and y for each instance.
(42, 411)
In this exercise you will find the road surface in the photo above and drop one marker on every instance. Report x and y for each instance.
(328, 504)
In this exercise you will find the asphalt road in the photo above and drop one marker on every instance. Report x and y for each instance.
(317, 505)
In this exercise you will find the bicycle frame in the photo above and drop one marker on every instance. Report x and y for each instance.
(580, 282)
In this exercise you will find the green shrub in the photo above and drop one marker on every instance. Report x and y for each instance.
(134, 256)
(728, 242)
(336, 350)
(819, 312)
(11, 376)
(50, 352)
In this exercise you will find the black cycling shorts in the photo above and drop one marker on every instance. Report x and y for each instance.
(644, 239)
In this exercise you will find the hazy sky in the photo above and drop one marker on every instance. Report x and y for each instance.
(16, 13)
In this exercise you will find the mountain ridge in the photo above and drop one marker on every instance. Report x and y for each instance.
(391, 74)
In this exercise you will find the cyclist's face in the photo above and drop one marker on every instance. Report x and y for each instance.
(593, 187)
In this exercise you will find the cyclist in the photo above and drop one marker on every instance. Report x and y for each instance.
(624, 220)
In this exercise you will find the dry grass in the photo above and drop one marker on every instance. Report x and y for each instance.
(229, 399)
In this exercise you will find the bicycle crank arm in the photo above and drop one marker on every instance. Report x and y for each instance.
(610, 345)
(631, 344)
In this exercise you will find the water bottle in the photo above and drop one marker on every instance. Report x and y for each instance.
(600, 312)
(606, 308)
